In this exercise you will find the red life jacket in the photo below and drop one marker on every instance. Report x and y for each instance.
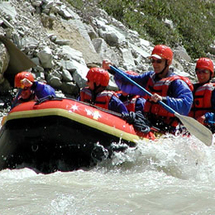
(202, 100)
(161, 87)
(130, 104)
(129, 101)
(102, 99)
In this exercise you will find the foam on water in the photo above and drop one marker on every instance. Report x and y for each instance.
(174, 175)
(181, 157)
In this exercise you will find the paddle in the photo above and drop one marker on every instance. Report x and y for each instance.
(193, 126)
(18, 60)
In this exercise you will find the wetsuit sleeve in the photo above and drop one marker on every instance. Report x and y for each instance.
(42, 90)
(116, 105)
(180, 97)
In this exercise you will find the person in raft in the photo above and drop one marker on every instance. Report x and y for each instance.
(203, 108)
(132, 102)
(29, 89)
(95, 93)
(164, 85)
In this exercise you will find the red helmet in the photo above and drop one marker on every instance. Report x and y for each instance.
(205, 63)
(20, 76)
(131, 73)
(99, 76)
(162, 51)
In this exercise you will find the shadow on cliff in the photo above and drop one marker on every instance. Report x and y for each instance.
(18, 61)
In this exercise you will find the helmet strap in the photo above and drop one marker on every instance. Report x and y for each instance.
(93, 93)
(97, 89)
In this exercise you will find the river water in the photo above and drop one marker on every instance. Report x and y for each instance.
(175, 175)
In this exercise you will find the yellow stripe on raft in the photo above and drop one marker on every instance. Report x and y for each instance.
(76, 117)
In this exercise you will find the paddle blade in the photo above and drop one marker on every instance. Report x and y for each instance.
(18, 60)
(197, 129)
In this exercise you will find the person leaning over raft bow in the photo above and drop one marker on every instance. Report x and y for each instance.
(164, 85)
(203, 108)
(30, 89)
(95, 93)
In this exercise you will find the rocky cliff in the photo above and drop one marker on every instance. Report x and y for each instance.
(62, 43)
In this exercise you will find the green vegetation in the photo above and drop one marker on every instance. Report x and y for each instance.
(193, 21)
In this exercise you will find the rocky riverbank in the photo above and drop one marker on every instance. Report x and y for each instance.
(64, 43)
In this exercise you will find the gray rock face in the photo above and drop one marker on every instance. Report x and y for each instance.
(61, 42)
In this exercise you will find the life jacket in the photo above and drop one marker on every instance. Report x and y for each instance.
(130, 104)
(161, 87)
(129, 101)
(102, 99)
(202, 100)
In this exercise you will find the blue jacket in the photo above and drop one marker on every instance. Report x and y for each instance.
(42, 90)
(39, 90)
(116, 105)
(179, 98)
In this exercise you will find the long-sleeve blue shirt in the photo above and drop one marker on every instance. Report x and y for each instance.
(39, 90)
(117, 105)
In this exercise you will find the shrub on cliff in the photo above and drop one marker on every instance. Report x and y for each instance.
(192, 21)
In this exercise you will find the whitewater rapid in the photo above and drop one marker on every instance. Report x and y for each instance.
(174, 175)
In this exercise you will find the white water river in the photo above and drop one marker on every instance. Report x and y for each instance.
(170, 176)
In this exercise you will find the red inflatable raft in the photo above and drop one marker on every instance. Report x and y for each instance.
(62, 134)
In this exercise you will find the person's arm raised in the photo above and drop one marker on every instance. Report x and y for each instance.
(106, 65)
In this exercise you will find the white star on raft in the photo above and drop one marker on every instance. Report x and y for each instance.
(89, 112)
(74, 107)
(95, 114)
